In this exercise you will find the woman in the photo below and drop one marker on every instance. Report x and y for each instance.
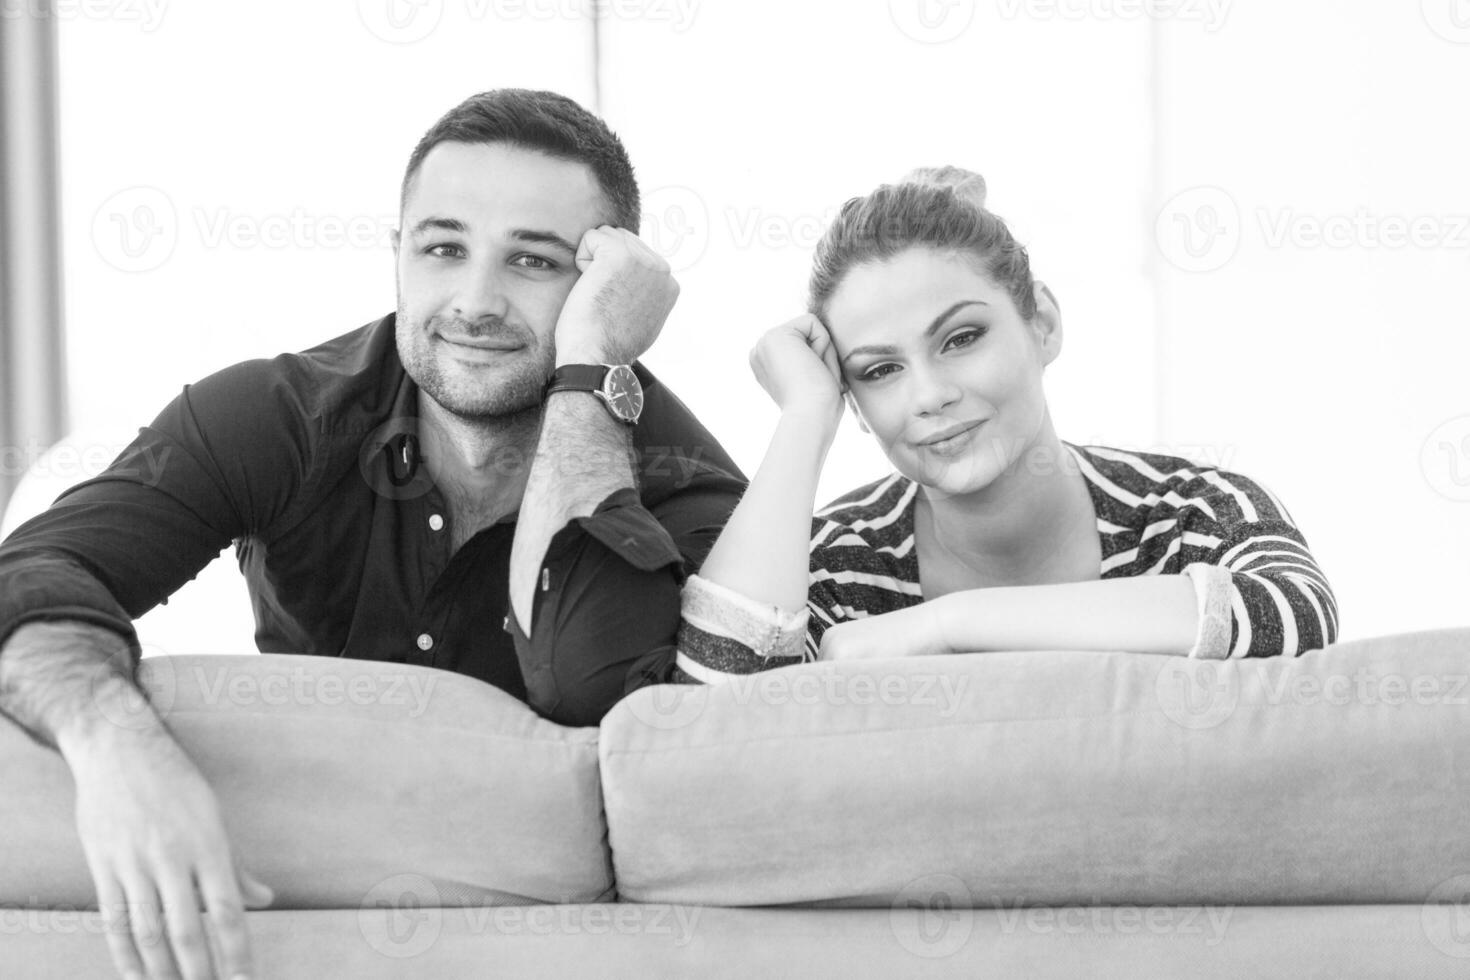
(993, 533)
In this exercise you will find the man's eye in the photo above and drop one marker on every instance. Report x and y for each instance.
(877, 372)
(534, 262)
(444, 251)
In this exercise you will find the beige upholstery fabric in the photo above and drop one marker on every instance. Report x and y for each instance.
(1342, 776)
(639, 942)
(345, 782)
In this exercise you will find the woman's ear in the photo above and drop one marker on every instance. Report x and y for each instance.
(1047, 322)
(852, 407)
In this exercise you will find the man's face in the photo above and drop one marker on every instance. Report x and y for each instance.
(484, 264)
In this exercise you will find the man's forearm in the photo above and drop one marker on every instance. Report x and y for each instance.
(582, 456)
(63, 682)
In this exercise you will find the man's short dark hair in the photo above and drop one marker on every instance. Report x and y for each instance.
(548, 123)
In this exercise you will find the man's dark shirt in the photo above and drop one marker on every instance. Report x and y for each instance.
(310, 463)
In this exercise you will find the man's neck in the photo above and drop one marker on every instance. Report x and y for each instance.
(481, 466)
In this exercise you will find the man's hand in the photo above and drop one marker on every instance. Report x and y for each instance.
(155, 843)
(618, 306)
(149, 824)
(913, 632)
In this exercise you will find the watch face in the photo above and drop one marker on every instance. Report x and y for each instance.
(623, 393)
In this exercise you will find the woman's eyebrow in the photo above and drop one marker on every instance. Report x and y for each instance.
(933, 328)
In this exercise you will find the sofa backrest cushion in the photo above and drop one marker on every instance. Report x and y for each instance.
(344, 783)
(991, 780)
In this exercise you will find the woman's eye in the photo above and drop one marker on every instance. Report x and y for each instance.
(965, 338)
(444, 251)
(534, 262)
(878, 371)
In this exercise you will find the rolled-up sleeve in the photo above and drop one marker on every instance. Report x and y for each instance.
(1265, 596)
(606, 611)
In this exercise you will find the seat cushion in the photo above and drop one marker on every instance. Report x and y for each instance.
(641, 941)
(983, 780)
(344, 782)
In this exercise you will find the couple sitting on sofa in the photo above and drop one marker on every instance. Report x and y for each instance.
(451, 487)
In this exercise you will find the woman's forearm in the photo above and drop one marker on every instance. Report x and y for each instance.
(762, 552)
(1144, 614)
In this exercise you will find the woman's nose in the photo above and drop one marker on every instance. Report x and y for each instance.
(933, 391)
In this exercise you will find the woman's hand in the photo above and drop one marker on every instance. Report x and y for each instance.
(913, 632)
(796, 363)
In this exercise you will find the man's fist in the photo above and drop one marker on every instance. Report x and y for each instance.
(617, 308)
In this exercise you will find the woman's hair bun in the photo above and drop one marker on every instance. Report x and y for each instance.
(966, 183)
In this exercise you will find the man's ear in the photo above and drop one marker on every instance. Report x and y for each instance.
(395, 238)
(1047, 322)
(852, 407)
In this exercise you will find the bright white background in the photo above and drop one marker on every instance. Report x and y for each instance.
(1254, 214)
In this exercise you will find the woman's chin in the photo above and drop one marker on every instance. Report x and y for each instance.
(951, 476)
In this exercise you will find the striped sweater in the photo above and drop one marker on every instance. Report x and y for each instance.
(1156, 515)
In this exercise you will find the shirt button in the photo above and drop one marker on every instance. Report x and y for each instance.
(425, 641)
(436, 522)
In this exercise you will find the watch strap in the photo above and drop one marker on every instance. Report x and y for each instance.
(577, 377)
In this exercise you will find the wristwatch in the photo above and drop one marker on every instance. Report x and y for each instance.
(615, 384)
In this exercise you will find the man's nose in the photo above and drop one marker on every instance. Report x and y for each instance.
(481, 294)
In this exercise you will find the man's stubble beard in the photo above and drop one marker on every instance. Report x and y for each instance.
(511, 397)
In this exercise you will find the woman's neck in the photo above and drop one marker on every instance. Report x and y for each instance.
(1028, 519)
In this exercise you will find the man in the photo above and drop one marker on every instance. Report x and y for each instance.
(452, 486)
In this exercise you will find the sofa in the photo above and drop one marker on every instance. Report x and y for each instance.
(1055, 814)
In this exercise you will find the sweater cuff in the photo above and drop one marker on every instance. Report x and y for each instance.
(728, 623)
(1212, 587)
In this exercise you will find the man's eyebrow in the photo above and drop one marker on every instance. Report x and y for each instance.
(929, 331)
(529, 235)
(440, 224)
(543, 238)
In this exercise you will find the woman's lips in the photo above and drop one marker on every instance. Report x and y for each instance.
(952, 439)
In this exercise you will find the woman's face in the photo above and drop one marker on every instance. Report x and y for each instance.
(941, 366)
